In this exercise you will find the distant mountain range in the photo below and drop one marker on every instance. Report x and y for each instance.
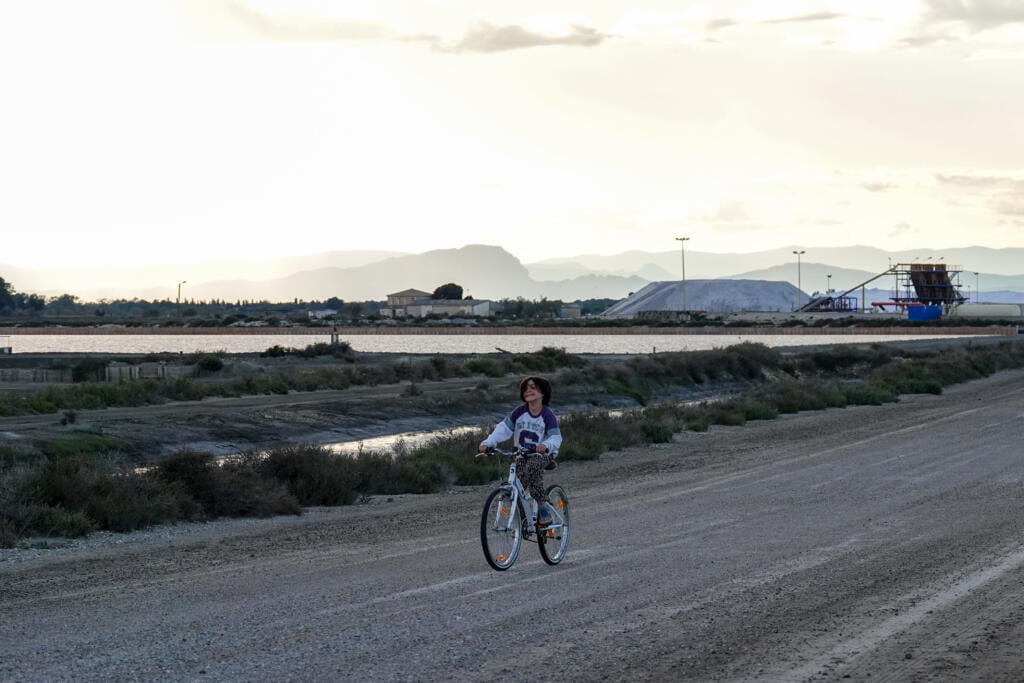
(490, 272)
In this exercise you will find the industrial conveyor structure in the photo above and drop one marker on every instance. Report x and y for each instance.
(917, 284)
(930, 284)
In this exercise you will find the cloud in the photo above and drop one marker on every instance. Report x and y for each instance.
(950, 21)
(1009, 204)
(878, 186)
(716, 24)
(803, 18)
(485, 37)
(732, 211)
(730, 216)
(247, 19)
(728, 22)
(305, 28)
(928, 39)
(980, 15)
(902, 230)
(981, 182)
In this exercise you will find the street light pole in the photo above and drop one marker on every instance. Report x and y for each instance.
(977, 289)
(799, 287)
(828, 287)
(177, 301)
(682, 282)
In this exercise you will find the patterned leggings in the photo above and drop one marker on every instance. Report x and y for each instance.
(530, 470)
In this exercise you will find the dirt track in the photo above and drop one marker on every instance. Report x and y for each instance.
(875, 543)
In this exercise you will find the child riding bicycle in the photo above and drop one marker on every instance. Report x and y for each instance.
(533, 426)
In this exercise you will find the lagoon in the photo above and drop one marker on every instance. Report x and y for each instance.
(442, 343)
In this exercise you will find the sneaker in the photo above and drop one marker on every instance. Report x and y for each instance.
(544, 516)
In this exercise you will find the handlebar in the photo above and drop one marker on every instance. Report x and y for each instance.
(511, 455)
(508, 454)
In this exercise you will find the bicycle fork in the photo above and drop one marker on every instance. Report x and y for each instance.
(528, 506)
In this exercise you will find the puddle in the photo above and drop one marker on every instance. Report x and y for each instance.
(390, 441)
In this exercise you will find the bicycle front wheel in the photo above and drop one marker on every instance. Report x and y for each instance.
(501, 530)
(554, 538)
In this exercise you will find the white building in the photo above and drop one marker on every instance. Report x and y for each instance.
(322, 314)
(417, 304)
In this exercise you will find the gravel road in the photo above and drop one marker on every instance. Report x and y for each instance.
(870, 543)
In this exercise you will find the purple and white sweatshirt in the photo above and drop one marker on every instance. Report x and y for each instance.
(528, 430)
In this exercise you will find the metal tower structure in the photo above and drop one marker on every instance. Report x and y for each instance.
(931, 284)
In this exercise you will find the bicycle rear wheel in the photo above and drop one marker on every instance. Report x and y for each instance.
(501, 530)
(554, 538)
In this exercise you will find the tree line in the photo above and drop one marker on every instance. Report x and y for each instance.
(19, 305)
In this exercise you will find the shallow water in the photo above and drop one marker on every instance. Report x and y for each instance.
(389, 442)
(433, 343)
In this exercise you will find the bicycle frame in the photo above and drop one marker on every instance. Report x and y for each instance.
(522, 496)
(510, 516)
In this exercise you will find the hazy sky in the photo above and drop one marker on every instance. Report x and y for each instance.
(168, 130)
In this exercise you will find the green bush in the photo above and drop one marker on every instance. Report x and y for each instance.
(210, 363)
(234, 489)
(619, 388)
(869, 393)
(754, 409)
(110, 499)
(314, 475)
(656, 432)
(698, 423)
(485, 366)
(727, 414)
(78, 444)
(586, 435)
(791, 396)
(54, 520)
(453, 458)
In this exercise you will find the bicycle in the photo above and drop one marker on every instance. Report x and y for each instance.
(505, 522)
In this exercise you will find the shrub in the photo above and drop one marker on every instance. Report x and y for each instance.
(869, 393)
(791, 396)
(754, 409)
(382, 473)
(236, 489)
(727, 414)
(117, 501)
(589, 434)
(56, 521)
(583, 446)
(452, 458)
(656, 432)
(210, 363)
(485, 366)
(89, 369)
(620, 388)
(79, 444)
(314, 475)
(698, 423)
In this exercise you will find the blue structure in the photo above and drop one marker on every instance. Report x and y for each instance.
(926, 312)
